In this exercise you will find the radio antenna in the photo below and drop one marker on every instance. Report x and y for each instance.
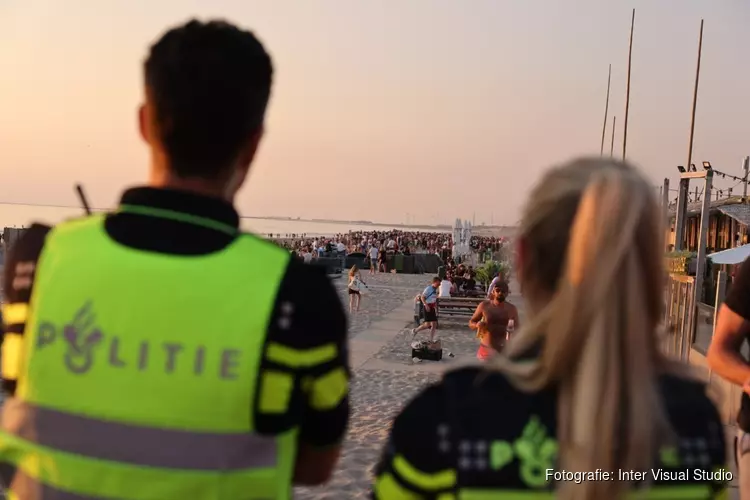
(82, 198)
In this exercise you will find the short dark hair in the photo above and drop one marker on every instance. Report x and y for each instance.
(436, 278)
(209, 83)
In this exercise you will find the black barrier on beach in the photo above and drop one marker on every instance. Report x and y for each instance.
(356, 260)
(398, 262)
(407, 264)
(414, 264)
(426, 263)
(338, 264)
(331, 264)
(430, 263)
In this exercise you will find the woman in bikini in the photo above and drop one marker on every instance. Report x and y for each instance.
(355, 285)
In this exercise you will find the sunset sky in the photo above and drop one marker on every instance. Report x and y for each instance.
(435, 108)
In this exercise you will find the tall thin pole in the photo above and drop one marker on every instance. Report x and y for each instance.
(665, 208)
(695, 101)
(700, 266)
(606, 110)
(612, 143)
(627, 90)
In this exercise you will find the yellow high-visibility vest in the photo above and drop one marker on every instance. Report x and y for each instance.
(138, 373)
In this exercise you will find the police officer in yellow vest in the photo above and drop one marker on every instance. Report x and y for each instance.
(156, 352)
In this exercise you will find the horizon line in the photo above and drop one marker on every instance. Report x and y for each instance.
(270, 217)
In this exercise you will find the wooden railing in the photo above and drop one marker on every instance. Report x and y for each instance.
(680, 264)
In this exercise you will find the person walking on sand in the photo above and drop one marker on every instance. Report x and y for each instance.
(429, 300)
(355, 289)
(446, 287)
(373, 255)
(383, 259)
(492, 320)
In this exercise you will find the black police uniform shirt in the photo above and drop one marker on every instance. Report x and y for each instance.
(738, 300)
(474, 431)
(318, 318)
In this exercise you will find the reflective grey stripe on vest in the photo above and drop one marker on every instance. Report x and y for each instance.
(135, 444)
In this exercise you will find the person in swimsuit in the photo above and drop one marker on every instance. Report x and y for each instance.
(372, 254)
(491, 320)
(355, 285)
(383, 260)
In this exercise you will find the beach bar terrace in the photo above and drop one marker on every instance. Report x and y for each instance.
(728, 223)
(696, 286)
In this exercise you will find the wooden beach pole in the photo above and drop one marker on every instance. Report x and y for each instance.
(695, 100)
(627, 90)
(682, 197)
(606, 110)
(612, 143)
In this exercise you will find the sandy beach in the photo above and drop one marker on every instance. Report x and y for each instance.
(384, 376)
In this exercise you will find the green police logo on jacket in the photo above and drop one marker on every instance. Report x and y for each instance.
(534, 449)
(84, 342)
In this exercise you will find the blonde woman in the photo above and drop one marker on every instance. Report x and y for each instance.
(581, 400)
(355, 288)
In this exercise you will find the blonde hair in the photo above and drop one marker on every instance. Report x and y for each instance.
(591, 273)
(354, 270)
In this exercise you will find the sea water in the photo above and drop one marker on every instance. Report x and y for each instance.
(20, 215)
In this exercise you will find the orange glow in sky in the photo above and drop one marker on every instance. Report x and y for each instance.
(434, 108)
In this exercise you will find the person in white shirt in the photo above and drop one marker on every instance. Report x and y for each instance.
(445, 288)
(373, 254)
(340, 247)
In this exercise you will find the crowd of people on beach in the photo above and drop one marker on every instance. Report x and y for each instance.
(392, 241)
(459, 280)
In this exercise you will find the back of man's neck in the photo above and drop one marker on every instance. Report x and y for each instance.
(195, 186)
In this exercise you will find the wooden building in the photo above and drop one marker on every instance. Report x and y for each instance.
(727, 227)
